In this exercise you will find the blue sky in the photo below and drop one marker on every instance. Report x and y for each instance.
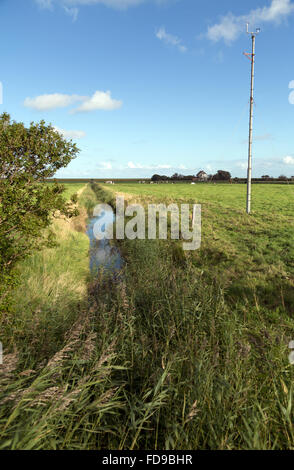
(153, 86)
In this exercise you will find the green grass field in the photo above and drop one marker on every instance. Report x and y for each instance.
(71, 188)
(253, 256)
(184, 351)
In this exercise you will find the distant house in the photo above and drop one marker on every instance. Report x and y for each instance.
(265, 177)
(202, 176)
(292, 177)
(109, 182)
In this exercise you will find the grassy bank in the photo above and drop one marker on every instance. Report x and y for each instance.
(52, 284)
(164, 357)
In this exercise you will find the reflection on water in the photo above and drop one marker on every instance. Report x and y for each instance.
(102, 253)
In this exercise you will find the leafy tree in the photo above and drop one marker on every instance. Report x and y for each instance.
(28, 155)
(222, 175)
(156, 178)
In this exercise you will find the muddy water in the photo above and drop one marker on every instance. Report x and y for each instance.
(103, 254)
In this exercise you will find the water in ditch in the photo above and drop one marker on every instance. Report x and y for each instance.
(103, 254)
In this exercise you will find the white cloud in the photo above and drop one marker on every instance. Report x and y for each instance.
(70, 134)
(231, 26)
(71, 6)
(138, 166)
(99, 100)
(288, 160)
(105, 166)
(121, 4)
(170, 39)
(55, 100)
(242, 165)
(263, 137)
(72, 11)
(291, 95)
(44, 3)
(228, 29)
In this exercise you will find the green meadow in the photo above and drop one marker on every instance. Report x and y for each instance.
(185, 350)
(252, 256)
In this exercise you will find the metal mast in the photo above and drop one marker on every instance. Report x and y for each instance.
(251, 56)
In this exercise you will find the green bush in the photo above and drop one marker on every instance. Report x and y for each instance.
(28, 155)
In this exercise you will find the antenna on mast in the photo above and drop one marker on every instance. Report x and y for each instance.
(251, 57)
